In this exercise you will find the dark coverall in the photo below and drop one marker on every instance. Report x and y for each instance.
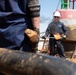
(52, 28)
(15, 17)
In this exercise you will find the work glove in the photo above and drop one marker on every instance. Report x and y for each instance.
(63, 36)
(57, 36)
(33, 35)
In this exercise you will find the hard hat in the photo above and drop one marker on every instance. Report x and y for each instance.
(57, 13)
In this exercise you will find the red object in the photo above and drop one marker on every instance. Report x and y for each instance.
(67, 14)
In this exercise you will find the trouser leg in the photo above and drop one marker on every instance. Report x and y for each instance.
(52, 47)
(60, 49)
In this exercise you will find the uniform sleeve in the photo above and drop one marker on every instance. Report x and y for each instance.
(34, 8)
(64, 29)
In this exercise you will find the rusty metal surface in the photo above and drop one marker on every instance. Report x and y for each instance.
(71, 32)
(21, 63)
(68, 45)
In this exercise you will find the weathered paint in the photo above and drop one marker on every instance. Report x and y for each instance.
(68, 14)
(68, 17)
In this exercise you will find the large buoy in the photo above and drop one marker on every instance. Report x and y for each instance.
(68, 17)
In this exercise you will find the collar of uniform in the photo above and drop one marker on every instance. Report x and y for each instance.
(56, 22)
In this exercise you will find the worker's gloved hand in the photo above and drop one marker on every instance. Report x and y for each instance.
(33, 35)
(43, 37)
(57, 36)
(63, 36)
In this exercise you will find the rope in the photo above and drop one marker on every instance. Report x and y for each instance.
(58, 4)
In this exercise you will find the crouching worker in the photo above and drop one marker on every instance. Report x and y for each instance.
(16, 16)
(56, 29)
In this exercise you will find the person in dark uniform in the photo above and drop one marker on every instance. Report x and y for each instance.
(15, 17)
(56, 27)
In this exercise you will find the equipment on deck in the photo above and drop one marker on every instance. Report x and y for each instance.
(14, 62)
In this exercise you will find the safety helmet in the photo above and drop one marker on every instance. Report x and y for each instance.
(57, 13)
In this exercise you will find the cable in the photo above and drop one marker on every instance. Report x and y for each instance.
(58, 4)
